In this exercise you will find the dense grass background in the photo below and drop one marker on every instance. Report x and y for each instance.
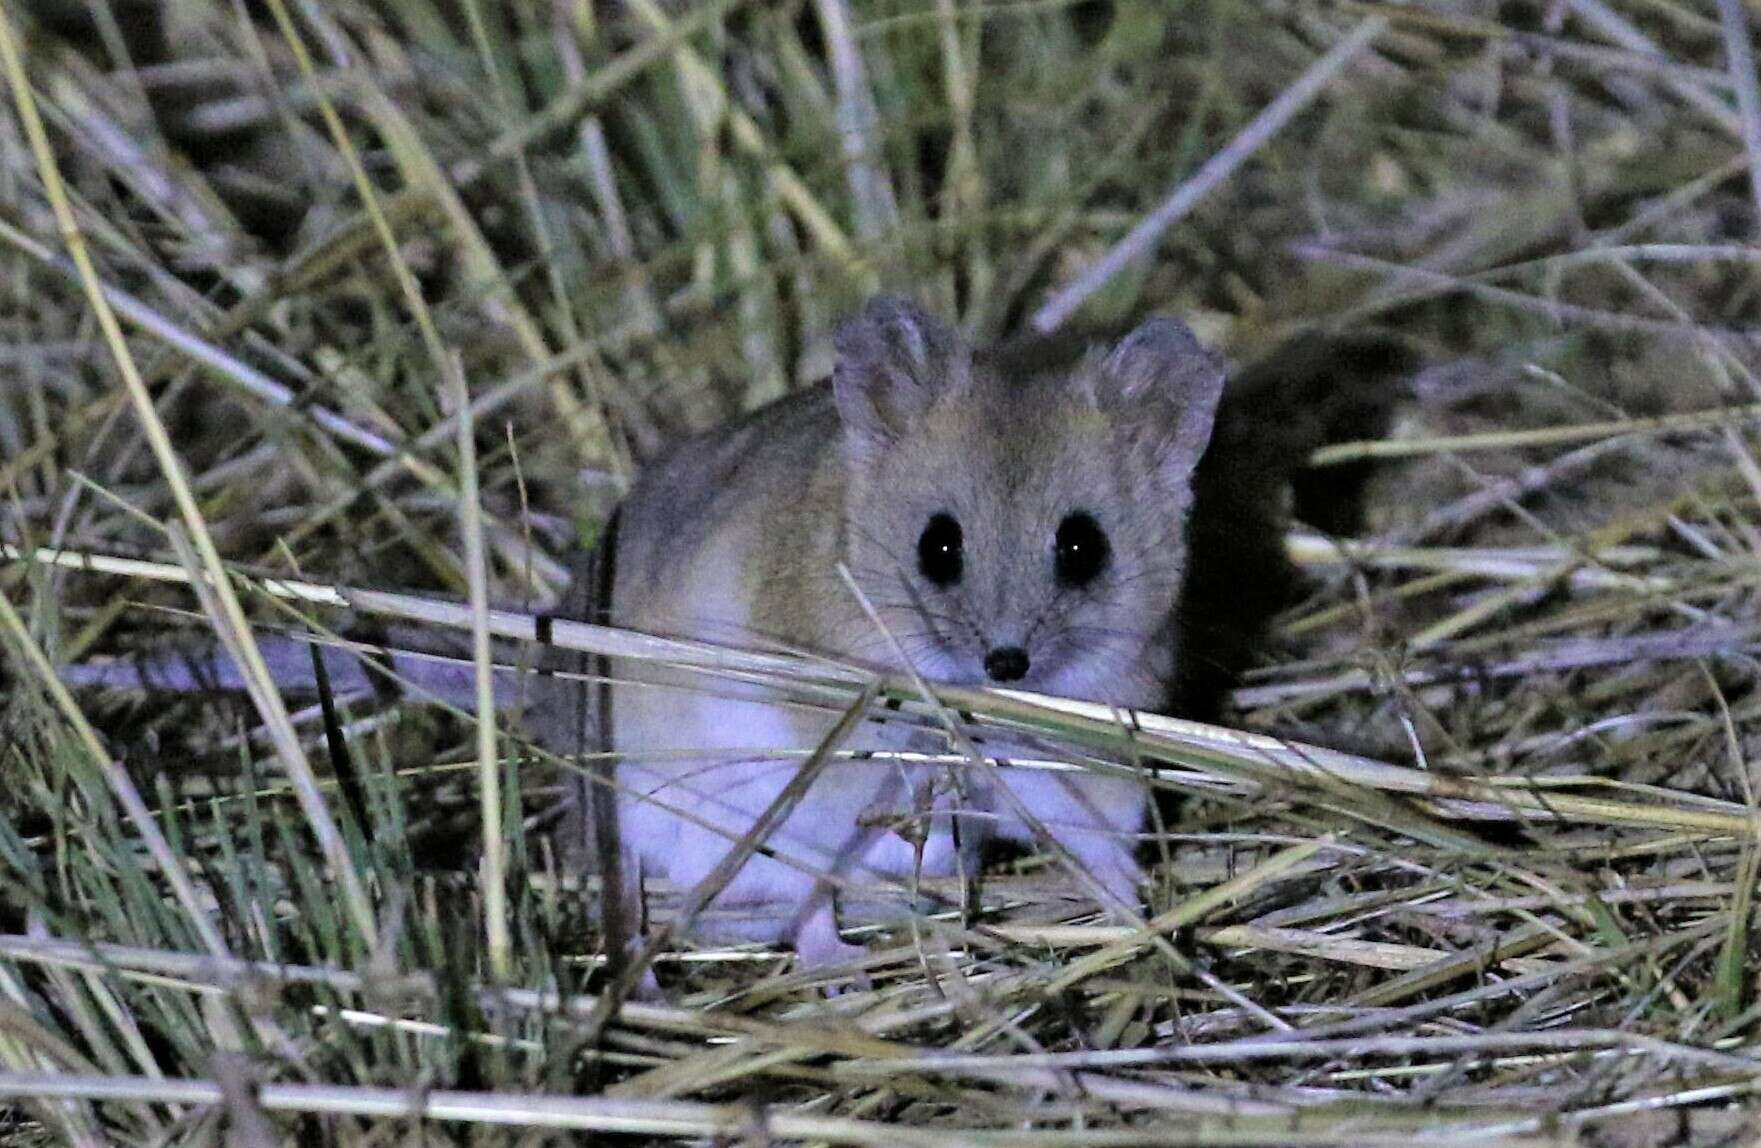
(1522, 915)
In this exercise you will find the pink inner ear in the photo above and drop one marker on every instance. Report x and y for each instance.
(1162, 360)
(894, 360)
(1203, 393)
(1164, 379)
(876, 400)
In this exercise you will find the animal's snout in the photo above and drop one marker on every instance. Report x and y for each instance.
(1006, 664)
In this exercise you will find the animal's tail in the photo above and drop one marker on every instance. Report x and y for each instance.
(350, 669)
(1312, 391)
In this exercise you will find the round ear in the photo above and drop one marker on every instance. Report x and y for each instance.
(894, 359)
(1162, 373)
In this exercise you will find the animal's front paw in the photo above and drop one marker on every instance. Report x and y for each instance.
(647, 988)
(1116, 872)
(819, 948)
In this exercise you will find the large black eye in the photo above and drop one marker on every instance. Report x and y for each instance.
(1082, 549)
(939, 553)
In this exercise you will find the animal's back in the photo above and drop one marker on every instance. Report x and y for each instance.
(689, 529)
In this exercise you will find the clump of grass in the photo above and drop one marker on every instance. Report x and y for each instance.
(402, 296)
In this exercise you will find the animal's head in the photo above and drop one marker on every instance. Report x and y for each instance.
(1023, 531)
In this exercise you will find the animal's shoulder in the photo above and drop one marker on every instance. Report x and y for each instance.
(740, 468)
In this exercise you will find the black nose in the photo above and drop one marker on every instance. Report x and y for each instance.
(1006, 664)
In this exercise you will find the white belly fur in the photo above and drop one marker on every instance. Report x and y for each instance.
(697, 767)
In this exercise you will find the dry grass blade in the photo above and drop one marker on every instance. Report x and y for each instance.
(1186, 914)
(99, 761)
(1230, 754)
(402, 295)
(1550, 436)
(235, 627)
(1218, 168)
(228, 367)
(654, 1118)
(1740, 58)
(580, 97)
(495, 908)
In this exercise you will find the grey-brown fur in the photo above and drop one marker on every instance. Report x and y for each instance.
(819, 479)
(738, 536)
